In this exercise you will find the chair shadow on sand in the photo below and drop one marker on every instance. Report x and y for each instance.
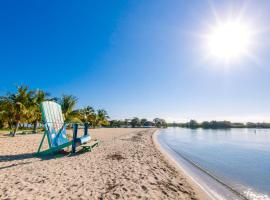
(23, 158)
(18, 157)
(37, 158)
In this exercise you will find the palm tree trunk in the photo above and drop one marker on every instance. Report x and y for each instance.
(10, 126)
(35, 126)
(16, 129)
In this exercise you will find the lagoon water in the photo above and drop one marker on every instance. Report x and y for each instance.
(240, 158)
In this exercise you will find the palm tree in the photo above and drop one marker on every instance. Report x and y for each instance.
(102, 117)
(16, 107)
(68, 103)
(87, 114)
(6, 111)
(2, 120)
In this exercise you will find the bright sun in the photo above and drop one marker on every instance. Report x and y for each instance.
(229, 40)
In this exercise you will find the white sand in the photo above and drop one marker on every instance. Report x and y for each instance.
(125, 166)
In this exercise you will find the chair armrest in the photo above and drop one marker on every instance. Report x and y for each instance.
(77, 123)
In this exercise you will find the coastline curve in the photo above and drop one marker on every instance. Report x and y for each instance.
(207, 183)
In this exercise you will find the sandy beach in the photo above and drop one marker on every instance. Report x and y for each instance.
(126, 165)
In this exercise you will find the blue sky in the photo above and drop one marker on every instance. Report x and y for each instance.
(136, 58)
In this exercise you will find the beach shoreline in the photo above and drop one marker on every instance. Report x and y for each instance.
(127, 165)
(202, 180)
(203, 193)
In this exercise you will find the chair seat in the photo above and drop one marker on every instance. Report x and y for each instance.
(84, 139)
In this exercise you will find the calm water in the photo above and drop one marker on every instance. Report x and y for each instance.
(238, 157)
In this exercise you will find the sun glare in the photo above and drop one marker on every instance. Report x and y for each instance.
(229, 40)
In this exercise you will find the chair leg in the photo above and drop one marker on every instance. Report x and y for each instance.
(85, 129)
(75, 132)
(41, 142)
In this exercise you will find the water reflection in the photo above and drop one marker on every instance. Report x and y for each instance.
(240, 157)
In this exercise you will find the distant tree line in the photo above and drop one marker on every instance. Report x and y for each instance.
(137, 123)
(193, 124)
(22, 108)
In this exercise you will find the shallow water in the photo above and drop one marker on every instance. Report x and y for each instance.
(238, 157)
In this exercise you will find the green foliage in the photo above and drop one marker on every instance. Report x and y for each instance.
(16, 108)
(219, 125)
(23, 107)
(135, 122)
(193, 124)
(94, 118)
(102, 117)
(143, 121)
(68, 103)
(160, 123)
(115, 123)
(86, 114)
(2, 121)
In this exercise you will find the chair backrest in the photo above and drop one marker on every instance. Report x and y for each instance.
(53, 121)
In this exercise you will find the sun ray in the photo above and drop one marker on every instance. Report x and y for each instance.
(230, 38)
